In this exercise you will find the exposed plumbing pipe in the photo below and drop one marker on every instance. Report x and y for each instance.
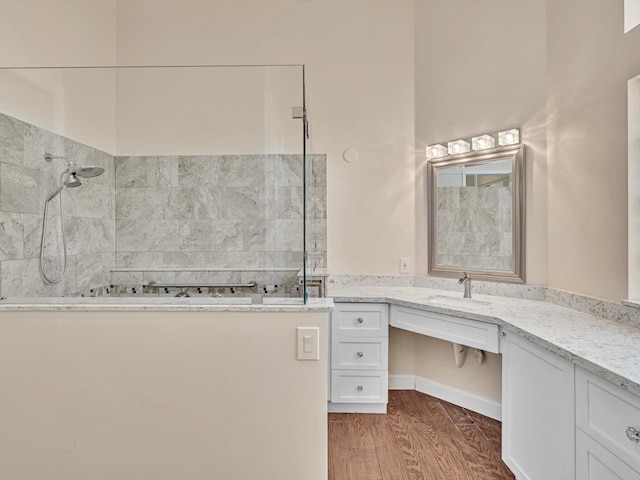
(460, 354)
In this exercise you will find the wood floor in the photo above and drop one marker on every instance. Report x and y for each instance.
(421, 437)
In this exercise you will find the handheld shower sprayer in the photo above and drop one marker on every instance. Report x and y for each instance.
(68, 179)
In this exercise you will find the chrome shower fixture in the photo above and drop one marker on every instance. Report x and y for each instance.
(89, 172)
(68, 179)
(71, 181)
(72, 168)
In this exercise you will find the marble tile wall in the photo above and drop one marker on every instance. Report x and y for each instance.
(475, 228)
(218, 211)
(26, 180)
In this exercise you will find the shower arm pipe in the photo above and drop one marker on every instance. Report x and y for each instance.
(202, 285)
(71, 166)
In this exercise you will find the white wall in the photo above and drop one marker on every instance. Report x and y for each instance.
(480, 67)
(589, 63)
(204, 111)
(79, 104)
(359, 57)
(133, 395)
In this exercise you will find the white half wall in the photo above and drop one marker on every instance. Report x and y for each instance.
(162, 395)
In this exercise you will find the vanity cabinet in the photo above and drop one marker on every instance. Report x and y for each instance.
(537, 412)
(359, 358)
(607, 430)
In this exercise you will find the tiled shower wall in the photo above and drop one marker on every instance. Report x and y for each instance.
(212, 212)
(474, 227)
(26, 180)
(184, 218)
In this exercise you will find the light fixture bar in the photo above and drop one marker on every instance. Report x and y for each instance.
(485, 141)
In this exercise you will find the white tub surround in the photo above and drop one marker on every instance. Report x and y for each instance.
(163, 392)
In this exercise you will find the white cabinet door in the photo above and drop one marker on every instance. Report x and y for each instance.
(538, 417)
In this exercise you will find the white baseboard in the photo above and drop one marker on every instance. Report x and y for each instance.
(470, 401)
(401, 381)
(356, 407)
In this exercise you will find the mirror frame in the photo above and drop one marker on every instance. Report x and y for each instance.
(517, 156)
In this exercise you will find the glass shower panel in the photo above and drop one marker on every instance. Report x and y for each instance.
(217, 156)
(204, 186)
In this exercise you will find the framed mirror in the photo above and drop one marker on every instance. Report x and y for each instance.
(476, 215)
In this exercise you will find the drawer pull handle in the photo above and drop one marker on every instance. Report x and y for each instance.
(360, 388)
(633, 434)
(360, 320)
(359, 354)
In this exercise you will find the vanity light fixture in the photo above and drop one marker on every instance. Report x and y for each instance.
(509, 137)
(486, 141)
(459, 146)
(436, 151)
(483, 142)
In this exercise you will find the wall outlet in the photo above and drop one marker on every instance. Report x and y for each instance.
(404, 265)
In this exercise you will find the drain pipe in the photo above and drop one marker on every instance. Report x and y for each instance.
(460, 354)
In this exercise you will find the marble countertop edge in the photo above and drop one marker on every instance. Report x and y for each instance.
(604, 347)
(90, 304)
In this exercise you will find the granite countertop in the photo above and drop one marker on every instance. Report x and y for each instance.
(607, 348)
(164, 304)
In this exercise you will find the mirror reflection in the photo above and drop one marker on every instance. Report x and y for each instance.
(475, 215)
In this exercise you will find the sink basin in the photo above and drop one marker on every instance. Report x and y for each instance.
(456, 301)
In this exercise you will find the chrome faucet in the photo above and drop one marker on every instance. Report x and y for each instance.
(466, 281)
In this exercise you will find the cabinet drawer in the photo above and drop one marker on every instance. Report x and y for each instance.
(360, 320)
(594, 462)
(472, 333)
(605, 412)
(360, 353)
(357, 386)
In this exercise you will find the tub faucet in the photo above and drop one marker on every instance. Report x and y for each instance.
(466, 281)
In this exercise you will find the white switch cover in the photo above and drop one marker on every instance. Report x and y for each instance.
(308, 343)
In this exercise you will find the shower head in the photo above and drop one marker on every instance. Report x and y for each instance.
(84, 172)
(71, 182)
(88, 172)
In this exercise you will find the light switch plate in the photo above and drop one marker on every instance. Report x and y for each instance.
(308, 348)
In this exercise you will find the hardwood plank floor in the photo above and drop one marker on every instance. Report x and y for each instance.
(420, 438)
